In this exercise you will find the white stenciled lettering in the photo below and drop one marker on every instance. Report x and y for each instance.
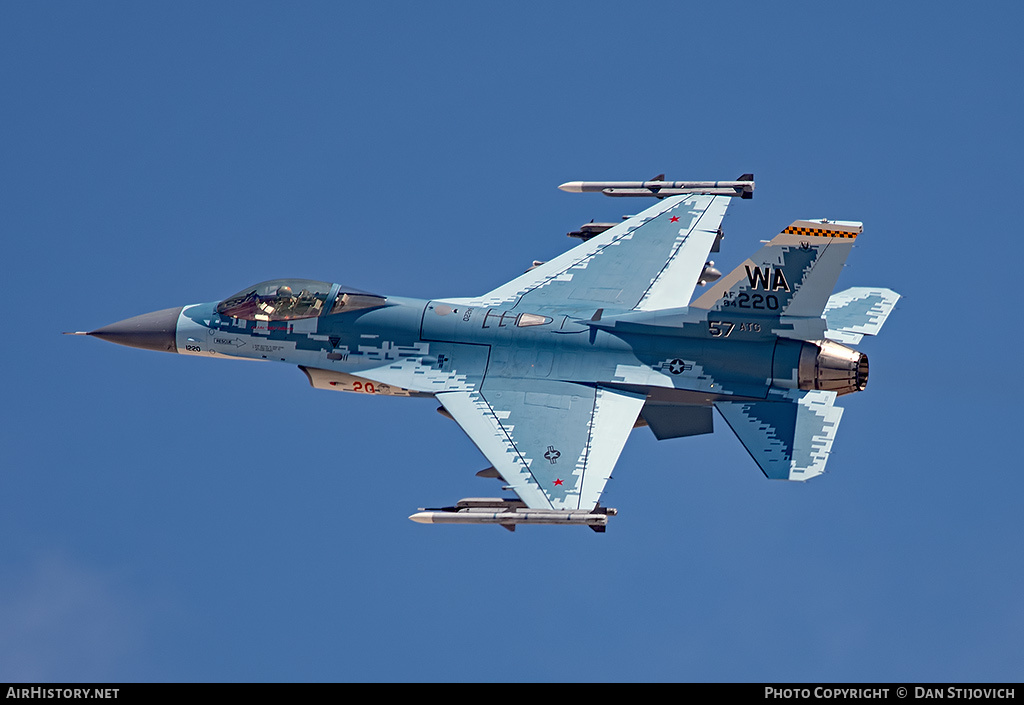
(786, 693)
(846, 693)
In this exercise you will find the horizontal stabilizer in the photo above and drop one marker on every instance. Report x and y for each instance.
(857, 312)
(789, 438)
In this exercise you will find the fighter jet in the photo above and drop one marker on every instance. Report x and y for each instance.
(549, 373)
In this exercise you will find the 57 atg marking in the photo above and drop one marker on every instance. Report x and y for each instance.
(720, 329)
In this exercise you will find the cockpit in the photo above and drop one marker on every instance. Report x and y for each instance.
(289, 299)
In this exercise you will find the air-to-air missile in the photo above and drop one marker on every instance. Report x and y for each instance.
(659, 188)
(508, 513)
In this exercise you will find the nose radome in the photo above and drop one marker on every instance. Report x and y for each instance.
(150, 331)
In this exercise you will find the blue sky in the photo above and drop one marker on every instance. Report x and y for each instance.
(179, 519)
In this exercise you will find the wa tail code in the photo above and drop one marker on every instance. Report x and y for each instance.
(759, 277)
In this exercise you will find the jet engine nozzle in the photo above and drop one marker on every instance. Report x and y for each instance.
(834, 367)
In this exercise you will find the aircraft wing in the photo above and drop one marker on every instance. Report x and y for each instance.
(554, 443)
(648, 262)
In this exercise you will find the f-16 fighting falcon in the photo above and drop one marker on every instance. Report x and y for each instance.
(549, 373)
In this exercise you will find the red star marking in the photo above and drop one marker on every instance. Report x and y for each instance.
(558, 482)
(674, 219)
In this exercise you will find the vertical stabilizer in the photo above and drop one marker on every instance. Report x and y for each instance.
(792, 276)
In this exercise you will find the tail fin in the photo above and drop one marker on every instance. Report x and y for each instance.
(793, 275)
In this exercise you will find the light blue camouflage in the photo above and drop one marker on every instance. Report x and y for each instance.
(790, 435)
(858, 311)
(549, 373)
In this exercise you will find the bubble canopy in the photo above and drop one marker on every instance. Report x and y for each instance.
(289, 299)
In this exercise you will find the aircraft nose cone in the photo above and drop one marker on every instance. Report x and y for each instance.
(150, 331)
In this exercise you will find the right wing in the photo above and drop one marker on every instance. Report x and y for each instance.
(651, 261)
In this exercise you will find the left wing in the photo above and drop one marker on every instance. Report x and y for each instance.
(553, 443)
(651, 261)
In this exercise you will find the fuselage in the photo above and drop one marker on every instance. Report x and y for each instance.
(415, 346)
(348, 340)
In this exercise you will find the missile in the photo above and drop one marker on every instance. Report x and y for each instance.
(742, 187)
(530, 516)
(509, 513)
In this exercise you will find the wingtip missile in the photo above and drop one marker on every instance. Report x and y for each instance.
(659, 188)
(510, 513)
(512, 518)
